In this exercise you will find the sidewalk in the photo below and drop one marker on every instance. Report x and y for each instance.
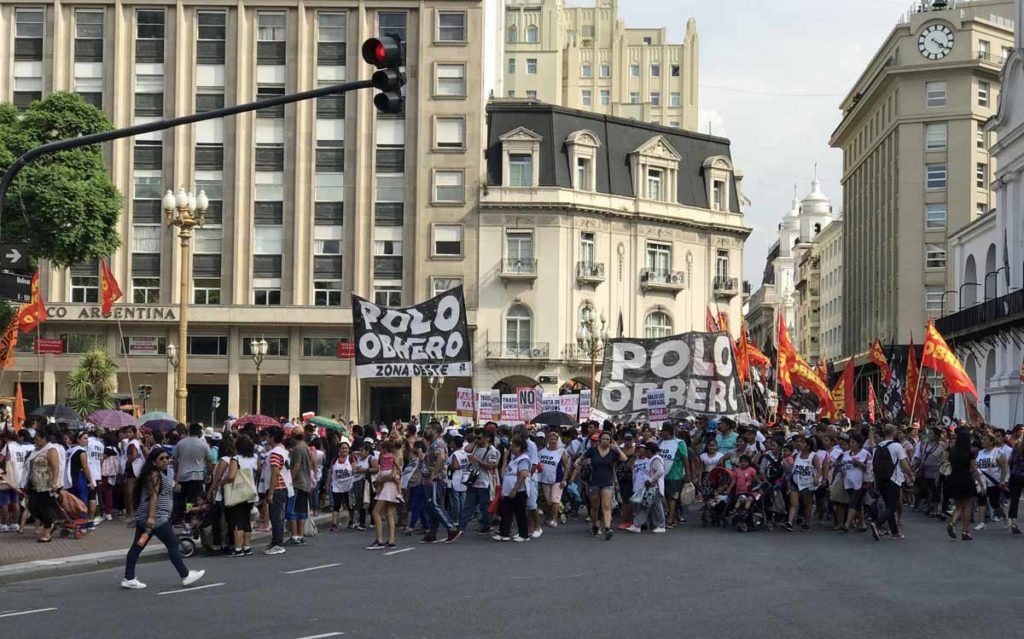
(22, 559)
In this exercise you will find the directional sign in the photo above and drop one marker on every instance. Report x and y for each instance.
(16, 288)
(12, 256)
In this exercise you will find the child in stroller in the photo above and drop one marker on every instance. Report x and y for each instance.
(195, 528)
(718, 504)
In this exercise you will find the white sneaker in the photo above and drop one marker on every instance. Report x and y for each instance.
(107, 517)
(979, 526)
(13, 528)
(132, 584)
(517, 538)
(4, 528)
(537, 532)
(553, 524)
(658, 530)
(633, 529)
(274, 550)
(500, 538)
(97, 520)
(192, 577)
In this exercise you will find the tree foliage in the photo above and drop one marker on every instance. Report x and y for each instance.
(91, 385)
(63, 206)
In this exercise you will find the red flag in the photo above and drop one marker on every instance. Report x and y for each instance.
(912, 393)
(805, 377)
(710, 325)
(744, 349)
(741, 367)
(7, 343)
(937, 356)
(754, 355)
(34, 313)
(109, 289)
(973, 415)
(822, 370)
(842, 393)
(877, 356)
(787, 357)
(871, 401)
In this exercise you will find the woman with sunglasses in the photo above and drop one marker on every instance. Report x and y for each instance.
(153, 497)
(603, 459)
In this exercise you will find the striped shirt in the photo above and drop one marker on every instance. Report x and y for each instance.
(277, 460)
(164, 502)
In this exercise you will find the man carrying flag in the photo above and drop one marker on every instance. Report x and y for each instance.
(109, 289)
(34, 313)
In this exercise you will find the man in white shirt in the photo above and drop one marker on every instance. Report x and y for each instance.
(890, 487)
(94, 455)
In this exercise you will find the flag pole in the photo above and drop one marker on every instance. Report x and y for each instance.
(127, 365)
(778, 403)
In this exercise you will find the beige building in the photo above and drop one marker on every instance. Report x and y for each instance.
(309, 202)
(586, 58)
(916, 166)
(828, 245)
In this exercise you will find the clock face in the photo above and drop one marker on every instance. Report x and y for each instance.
(935, 42)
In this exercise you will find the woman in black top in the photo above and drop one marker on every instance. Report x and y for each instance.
(602, 459)
(961, 483)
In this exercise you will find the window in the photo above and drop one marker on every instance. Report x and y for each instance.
(266, 296)
(145, 290)
(935, 176)
(28, 23)
(512, 35)
(531, 66)
(85, 289)
(587, 71)
(718, 195)
(451, 26)
(518, 330)
(980, 142)
(88, 35)
(448, 239)
(449, 186)
(211, 33)
(933, 297)
(331, 27)
(674, 124)
(981, 175)
(146, 238)
(387, 295)
(531, 95)
(606, 70)
(721, 263)
(270, 26)
(83, 342)
(935, 256)
(606, 97)
(588, 31)
(390, 188)
(450, 132)
(981, 208)
(655, 98)
(984, 49)
(320, 346)
(451, 79)
(439, 285)
(648, 40)
(935, 136)
(208, 345)
(935, 94)
(586, 96)
(634, 97)
(655, 70)
(675, 99)
(519, 245)
(654, 177)
(326, 292)
(935, 216)
(393, 23)
(657, 325)
(675, 70)
(983, 93)
(583, 177)
(511, 66)
(520, 169)
(634, 70)
(531, 33)
(206, 291)
(276, 346)
(588, 251)
(659, 257)
(1006, 53)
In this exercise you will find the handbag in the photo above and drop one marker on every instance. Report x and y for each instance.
(492, 507)
(310, 530)
(241, 490)
(687, 495)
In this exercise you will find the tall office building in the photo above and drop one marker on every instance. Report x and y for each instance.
(308, 202)
(586, 58)
(916, 166)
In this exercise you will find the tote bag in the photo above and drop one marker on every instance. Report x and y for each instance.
(242, 490)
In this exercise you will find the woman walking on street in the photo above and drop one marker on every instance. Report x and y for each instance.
(152, 499)
(961, 483)
(513, 493)
(45, 479)
(601, 489)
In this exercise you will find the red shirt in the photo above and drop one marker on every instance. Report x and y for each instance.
(744, 479)
(277, 461)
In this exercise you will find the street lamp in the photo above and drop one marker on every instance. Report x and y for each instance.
(960, 294)
(186, 212)
(435, 382)
(995, 274)
(944, 302)
(591, 340)
(258, 349)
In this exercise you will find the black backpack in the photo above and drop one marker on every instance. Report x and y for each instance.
(883, 464)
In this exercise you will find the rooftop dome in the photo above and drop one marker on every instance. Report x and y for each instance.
(816, 202)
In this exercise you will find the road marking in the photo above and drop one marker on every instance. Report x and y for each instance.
(174, 592)
(395, 552)
(26, 612)
(329, 634)
(292, 572)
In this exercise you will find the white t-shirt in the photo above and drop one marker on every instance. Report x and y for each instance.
(459, 476)
(854, 476)
(667, 451)
(641, 471)
(18, 454)
(491, 456)
(710, 462)
(550, 460)
(341, 475)
(988, 466)
(898, 454)
(94, 452)
(139, 460)
(511, 474)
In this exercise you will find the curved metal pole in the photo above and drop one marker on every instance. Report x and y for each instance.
(995, 273)
(944, 302)
(960, 295)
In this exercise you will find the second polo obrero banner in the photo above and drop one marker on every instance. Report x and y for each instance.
(696, 371)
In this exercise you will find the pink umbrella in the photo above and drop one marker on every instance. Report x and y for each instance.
(259, 421)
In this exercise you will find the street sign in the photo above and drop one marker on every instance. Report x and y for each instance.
(12, 256)
(15, 287)
(49, 345)
(346, 350)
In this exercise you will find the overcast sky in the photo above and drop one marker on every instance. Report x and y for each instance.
(772, 73)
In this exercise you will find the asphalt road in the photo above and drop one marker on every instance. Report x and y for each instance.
(688, 582)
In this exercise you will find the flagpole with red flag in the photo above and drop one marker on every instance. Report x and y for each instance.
(18, 410)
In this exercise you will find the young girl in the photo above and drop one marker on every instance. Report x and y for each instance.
(341, 486)
(388, 494)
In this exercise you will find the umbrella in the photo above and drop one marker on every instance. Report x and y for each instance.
(259, 421)
(59, 412)
(554, 418)
(157, 420)
(324, 422)
(111, 419)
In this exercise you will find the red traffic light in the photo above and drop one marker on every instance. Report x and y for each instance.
(385, 51)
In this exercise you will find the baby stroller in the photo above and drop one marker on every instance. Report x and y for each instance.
(758, 516)
(195, 529)
(72, 516)
(717, 506)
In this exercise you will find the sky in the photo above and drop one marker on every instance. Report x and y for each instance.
(772, 75)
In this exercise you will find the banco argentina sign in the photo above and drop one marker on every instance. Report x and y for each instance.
(118, 312)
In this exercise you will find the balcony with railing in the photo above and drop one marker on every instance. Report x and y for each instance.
(589, 272)
(519, 268)
(518, 350)
(725, 287)
(985, 318)
(662, 280)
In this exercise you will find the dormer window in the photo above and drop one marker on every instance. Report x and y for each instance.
(717, 172)
(582, 147)
(655, 166)
(654, 181)
(520, 149)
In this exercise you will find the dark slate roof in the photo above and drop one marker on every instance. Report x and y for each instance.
(619, 137)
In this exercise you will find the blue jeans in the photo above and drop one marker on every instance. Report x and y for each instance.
(418, 507)
(458, 504)
(435, 508)
(476, 499)
(165, 533)
(278, 506)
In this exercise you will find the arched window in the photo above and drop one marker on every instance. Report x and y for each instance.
(531, 33)
(513, 34)
(817, 229)
(518, 330)
(991, 277)
(658, 324)
(969, 288)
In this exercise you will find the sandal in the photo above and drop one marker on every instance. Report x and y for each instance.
(1015, 529)
(966, 537)
(951, 530)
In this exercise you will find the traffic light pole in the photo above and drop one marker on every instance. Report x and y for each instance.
(162, 125)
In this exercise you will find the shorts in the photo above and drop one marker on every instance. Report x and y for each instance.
(531, 494)
(92, 494)
(8, 498)
(339, 500)
(552, 493)
(129, 472)
(672, 488)
(596, 490)
(856, 496)
(298, 506)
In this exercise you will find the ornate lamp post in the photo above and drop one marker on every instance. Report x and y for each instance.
(258, 349)
(186, 212)
(591, 338)
(436, 382)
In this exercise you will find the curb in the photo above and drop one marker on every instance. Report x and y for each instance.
(77, 564)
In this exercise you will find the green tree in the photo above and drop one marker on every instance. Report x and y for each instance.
(63, 206)
(92, 383)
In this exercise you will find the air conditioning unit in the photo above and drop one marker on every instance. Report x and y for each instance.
(537, 352)
(677, 278)
(645, 275)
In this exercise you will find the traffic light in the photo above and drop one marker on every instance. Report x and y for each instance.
(145, 391)
(387, 53)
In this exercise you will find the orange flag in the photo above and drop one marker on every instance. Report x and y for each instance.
(34, 313)
(18, 410)
(741, 366)
(7, 343)
(877, 357)
(842, 393)
(754, 355)
(871, 401)
(744, 349)
(805, 377)
(822, 370)
(912, 394)
(109, 289)
(937, 356)
(973, 415)
(710, 325)
(787, 357)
